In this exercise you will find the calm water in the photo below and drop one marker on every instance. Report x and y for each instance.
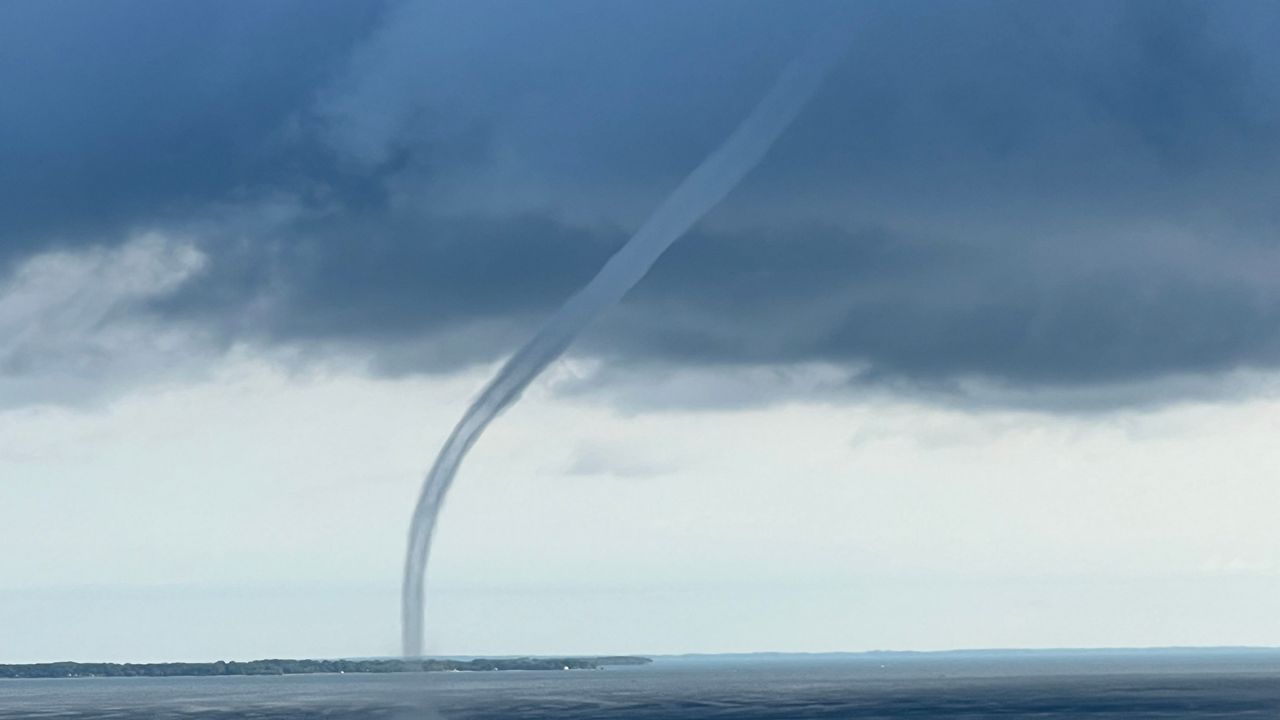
(1179, 685)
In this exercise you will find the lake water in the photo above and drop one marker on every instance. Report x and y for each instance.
(1021, 685)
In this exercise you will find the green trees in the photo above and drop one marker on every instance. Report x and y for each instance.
(302, 667)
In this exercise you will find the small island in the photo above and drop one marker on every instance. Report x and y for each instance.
(306, 667)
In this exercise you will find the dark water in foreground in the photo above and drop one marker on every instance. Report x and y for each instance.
(1039, 685)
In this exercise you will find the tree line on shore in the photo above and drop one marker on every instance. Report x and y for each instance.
(303, 667)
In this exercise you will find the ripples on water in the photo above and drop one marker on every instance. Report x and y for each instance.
(1220, 685)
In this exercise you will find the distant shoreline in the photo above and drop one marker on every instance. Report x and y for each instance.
(308, 667)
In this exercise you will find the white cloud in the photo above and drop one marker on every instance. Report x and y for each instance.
(806, 526)
(70, 321)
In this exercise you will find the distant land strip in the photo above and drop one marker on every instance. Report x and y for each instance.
(305, 667)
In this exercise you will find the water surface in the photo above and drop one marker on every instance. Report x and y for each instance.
(981, 685)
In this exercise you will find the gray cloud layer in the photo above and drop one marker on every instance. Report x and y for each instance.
(134, 112)
(1037, 195)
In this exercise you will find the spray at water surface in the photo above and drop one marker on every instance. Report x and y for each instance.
(705, 187)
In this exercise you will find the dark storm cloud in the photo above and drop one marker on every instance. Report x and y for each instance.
(122, 113)
(907, 308)
(385, 281)
(1030, 193)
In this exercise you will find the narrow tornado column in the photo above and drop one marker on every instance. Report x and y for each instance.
(706, 186)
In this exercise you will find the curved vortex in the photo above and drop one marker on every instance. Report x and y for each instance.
(705, 187)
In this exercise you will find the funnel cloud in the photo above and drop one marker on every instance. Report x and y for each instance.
(700, 191)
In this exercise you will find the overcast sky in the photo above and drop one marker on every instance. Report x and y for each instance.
(984, 354)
